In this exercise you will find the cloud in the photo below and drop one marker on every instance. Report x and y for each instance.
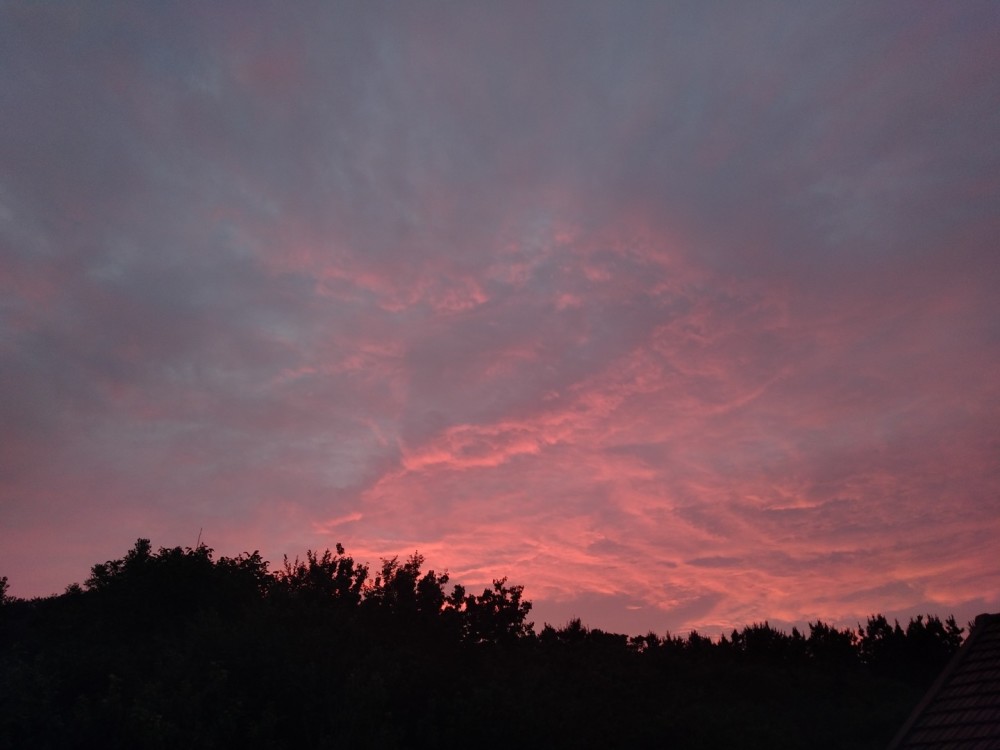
(683, 317)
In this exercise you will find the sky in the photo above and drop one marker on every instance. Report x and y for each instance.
(683, 315)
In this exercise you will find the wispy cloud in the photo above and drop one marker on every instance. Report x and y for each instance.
(683, 317)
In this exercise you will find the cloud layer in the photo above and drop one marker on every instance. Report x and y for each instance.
(682, 316)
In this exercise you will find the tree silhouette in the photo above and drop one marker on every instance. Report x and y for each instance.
(498, 615)
(320, 578)
(168, 647)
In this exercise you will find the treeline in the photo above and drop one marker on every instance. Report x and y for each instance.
(172, 647)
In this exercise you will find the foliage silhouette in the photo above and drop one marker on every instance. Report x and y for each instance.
(167, 647)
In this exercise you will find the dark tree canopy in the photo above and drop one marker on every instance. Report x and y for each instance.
(173, 647)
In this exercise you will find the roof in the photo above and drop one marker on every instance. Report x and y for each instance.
(962, 708)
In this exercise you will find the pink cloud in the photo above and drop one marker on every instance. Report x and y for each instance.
(689, 332)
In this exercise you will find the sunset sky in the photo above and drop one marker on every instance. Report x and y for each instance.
(683, 314)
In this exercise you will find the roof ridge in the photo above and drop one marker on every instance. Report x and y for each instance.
(967, 656)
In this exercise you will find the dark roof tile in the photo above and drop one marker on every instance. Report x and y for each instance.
(962, 708)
